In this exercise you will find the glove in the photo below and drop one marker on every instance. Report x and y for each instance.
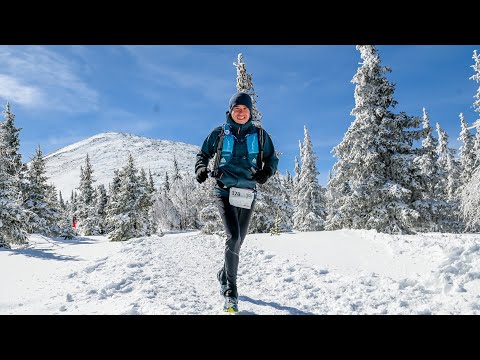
(261, 176)
(215, 174)
(202, 174)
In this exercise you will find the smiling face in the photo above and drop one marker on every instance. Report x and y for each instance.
(240, 114)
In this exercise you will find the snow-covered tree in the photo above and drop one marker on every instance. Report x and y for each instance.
(470, 195)
(112, 201)
(183, 199)
(166, 183)
(275, 230)
(12, 216)
(12, 142)
(271, 199)
(55, 213)
(245, 85)
(296, 176)
(128, 216)
(86, 212)
(426, 200)
(166, 213)
(309, 212)
(209, 216)
(101, 200)
(467, 154)
(61, 202)
(446, 162)
(176, 170)
(448, 183)
(152, 191)
(476, 77)
(372, 178)
(41, 205)
(145, 202)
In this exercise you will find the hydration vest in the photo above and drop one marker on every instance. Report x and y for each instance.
(226, 144)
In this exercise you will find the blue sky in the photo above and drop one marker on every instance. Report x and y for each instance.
(63, 94)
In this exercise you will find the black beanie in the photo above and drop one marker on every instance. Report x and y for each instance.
(240, 99)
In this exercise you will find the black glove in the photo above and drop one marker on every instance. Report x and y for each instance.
(216, 174)
(202, 174)
(261, 176)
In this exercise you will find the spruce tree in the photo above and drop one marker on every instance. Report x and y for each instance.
(467, 154)
(101, 200)
(151, 191)
(275, 230)
(476, 77)
(41, 205)
(470, 196)
(166, 183)
(12, 215)
(309, 213)
(128, 218)
(372, 178)
(448, 184)
(427, 202)
(209, 217)
(113, 201)
(245, 85)
(12, 141)
(87, 219)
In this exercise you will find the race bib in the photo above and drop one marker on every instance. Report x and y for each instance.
(241, 198)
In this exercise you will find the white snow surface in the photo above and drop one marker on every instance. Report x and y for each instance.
(328, 272)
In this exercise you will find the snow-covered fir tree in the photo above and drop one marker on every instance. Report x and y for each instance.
(448, 183)
(61, 202)
(166, 214)
(55, 214)
(296, 175)
(309, 212)
(12, 215)
(112, 201)
(426, 200)
(446, 162)
(151, 191)
(66, 228)
(101, 200)
(476, 77)
(65, 222)
(146, 201)
(12, 141)
(288, 185)
(41, 205)
(176, 170)
(166, 183)
(275, 230)
(86, 212)
(209, 216)
(467, 154)
(372, 178)
(271, 201)
(245, 85)
(183, 200)
(470, 195)
(128, 216)
(288, 182)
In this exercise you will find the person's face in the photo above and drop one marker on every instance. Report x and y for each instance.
(240, 114)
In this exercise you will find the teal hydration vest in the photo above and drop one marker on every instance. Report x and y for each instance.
(225, 147)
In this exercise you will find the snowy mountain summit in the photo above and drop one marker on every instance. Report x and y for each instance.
(109, 151)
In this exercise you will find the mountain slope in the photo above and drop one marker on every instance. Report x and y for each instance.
(109, 151)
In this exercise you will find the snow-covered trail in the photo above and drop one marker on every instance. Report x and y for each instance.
(176, 274)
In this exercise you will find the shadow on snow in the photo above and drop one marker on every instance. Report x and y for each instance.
(291, 310)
